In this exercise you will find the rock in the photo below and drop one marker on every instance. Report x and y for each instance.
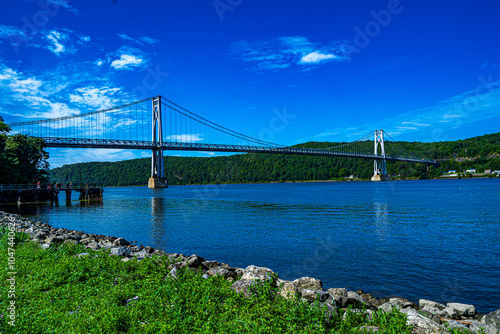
(194, 261)
(45, 246)
(308, 283)
(70, 242)
(447, 312)
(422, 324)
(93, 245)
(239, 272)
(244, 286)
(257, 273)
(493, 319)
(463, 309)
(121, 242)
(476, 327)
(126, 259)
(173, 273)
(371, 301)
(430, 315)
(386, 307)
(425, 302)
(54, 239)
(120, 251)
(360, 292)
(149, 249)
(210, 264)
(82, 254)
(455, 324)
(205, 276)
(142, 254)
(288, 290)
(221, 272)
(337, 292)
(312, 295)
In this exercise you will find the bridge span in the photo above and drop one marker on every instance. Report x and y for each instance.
(165, 126)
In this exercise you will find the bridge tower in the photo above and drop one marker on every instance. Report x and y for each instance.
(380, 167)
(157, 179)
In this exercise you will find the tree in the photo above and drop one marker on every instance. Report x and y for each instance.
(23, 159)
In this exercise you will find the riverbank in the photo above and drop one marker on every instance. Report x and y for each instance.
(427, 315)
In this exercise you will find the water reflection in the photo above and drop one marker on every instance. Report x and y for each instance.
(158, 233)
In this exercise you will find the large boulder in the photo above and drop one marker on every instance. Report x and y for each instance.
(463, 309)
(120, 251)
(312, 295)
(218, 271)
(257, 273)
(422, 325)
(308, 283)
(288, 290)
(244, 286)
(493, 319)
(476, 327)
(446, 312)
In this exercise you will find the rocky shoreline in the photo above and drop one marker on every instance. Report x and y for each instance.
(427, 316)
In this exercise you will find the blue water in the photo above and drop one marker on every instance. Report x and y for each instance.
(436, 239)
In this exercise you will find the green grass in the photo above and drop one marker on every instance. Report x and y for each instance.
(57, 292)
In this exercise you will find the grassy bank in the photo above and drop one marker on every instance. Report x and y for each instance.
(57, 292)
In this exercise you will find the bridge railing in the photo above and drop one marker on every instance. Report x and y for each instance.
(48, 185)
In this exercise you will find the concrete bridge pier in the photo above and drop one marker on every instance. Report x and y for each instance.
(157, 179)
(380, 167)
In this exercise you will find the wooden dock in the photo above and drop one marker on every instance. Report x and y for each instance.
(43, 192)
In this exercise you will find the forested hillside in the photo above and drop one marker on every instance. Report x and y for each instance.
(482, 151)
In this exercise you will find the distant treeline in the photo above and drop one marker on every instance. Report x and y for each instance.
(253, 168)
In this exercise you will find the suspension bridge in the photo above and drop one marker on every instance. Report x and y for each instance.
(158, 124)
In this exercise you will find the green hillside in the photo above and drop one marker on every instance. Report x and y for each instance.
(479, 152)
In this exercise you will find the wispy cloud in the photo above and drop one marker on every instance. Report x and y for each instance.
(98, 97)
(286, 52)
(140, 41)
(468, 107)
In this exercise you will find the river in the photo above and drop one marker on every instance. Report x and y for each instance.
(433, 239)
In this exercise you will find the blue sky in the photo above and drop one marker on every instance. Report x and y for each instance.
(287, 72)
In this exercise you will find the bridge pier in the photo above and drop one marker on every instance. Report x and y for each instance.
(157, 179)
(380, 167)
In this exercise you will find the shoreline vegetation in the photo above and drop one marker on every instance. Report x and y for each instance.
(68, 281)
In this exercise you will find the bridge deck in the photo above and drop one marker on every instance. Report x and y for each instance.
(149, 145)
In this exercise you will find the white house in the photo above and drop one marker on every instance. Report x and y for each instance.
(472, 170)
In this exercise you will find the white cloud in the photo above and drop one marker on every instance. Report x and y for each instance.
(316, 57)
(186, 138)
(99, 62)
(97, 97)
(127, 62)
(285, 52)
(56, 46)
